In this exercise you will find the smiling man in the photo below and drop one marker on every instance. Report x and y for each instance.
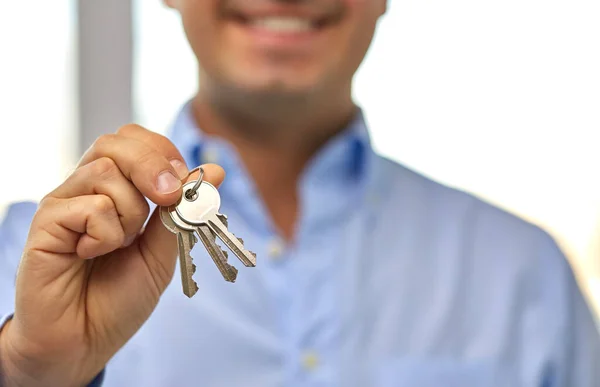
(368, 273)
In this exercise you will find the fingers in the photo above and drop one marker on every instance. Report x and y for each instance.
(147, 168)
(213, 173)
(124, 169)
(105, 214)
(87, 225)
(102, 176)
(159, 143)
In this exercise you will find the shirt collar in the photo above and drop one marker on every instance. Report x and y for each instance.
(344, 158)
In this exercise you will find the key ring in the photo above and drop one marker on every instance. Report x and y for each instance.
(191, 193)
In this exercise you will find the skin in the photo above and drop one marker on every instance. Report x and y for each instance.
(276, 103)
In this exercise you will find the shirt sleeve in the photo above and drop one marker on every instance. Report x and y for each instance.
(581, 353)
(574, 358)
(13, 234)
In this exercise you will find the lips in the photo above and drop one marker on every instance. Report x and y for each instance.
(283, 24)
(283, 19)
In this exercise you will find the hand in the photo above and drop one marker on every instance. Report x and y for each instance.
(90, 276)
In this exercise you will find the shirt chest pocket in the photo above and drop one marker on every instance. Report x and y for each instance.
(436, 372)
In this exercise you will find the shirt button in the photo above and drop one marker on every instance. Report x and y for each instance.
(210, 156)
(310, 360)
(275, 249)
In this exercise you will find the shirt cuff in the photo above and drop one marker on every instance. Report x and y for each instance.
(4, 320)
(97, 382)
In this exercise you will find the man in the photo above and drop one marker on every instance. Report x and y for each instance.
(381, 277)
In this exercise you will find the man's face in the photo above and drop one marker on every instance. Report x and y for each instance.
(280, 46)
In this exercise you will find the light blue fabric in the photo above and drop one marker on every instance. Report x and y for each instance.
(394, 280)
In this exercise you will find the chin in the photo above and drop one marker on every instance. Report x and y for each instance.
(293, 85)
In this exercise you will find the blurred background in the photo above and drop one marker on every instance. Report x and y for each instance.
(501, 99)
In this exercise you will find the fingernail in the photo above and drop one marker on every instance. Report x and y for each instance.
(167, 183)
(181, 169)
(129, 240)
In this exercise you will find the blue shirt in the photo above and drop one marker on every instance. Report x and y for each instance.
(393, 280)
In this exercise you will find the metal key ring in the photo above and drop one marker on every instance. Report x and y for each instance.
(191, 193)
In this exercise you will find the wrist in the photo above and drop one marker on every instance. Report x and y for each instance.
(7, 372)
(19, 370)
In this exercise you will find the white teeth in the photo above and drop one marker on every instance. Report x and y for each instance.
(283, 24)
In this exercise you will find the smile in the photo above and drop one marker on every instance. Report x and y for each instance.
(282, 24)
(283, 29)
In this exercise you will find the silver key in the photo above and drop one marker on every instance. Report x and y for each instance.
(210, 202)
(219, 257)
(202, 209)
(185, 243)
(208, 238)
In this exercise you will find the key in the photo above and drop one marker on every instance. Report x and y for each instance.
(208, 238)
(202, 209)
(185, 243)
(206, 200)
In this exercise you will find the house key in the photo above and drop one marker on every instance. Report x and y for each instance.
(197, 213)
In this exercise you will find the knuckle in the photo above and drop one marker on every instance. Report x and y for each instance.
(162, 140)
(102, 204)
(129, 129)
(103, 168)
(99, 147)
(75, 205)
(104, 141)
(46, 202)
(167, 146)
(153, 139)
(148, 157)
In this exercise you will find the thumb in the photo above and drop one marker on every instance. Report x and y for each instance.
(157, 244)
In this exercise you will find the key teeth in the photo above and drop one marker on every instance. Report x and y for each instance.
(251, 252)
(223, 219)
(194, 268)
(253, 264)
(235, 272)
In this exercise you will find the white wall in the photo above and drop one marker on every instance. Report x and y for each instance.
(501, 99)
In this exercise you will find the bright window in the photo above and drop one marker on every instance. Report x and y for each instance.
(37, 97)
